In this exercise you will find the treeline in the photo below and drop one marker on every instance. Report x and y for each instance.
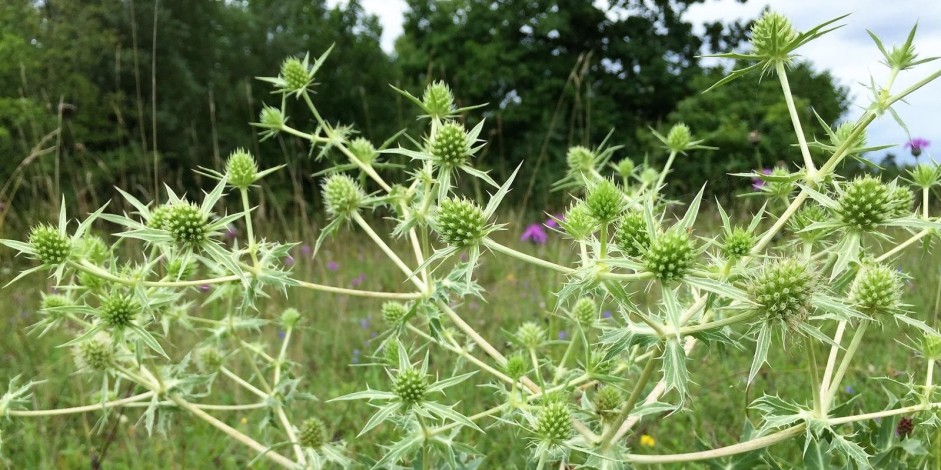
(95, 93)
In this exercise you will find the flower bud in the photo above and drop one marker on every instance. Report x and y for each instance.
(209, 359)
(625, 167)
(931, 347)
(363, 150)
(390, 352)
(631, 236)
(585, 311)
(531, 335)
(119, 310)
(877, 290)
(554, 424)
(597, 365)
(925, 176)
(670, 255)
(649, 176)
(51, 246)
(51, 301)
(516, 366)
(96, 353)
(605, 201)
(679, 138)
(272, 119)
(341, 195)
(460, 222)
(771, 35)
(782, 289)
(159, 216)
(864, 203)
(393, 313)
(240, 169)
(580, 159)
(450, 146)
(578, 222)
(808, 215)
(607, 401)
(313, 433)
(188, 225)
(289, 318)
(901, 200)
(842, 134)
(295, 75)
(438, 100)
(410, 386)
(738, 243)
(93, 249)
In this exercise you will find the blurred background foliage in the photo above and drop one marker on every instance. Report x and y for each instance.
(99, 93)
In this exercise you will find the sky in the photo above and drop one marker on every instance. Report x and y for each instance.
(848, 53)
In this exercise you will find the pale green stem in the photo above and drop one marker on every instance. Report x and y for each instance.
(361, 293)
(244, 383)
(524, 257)
(253, 348)
(603, 241)
(795, 119)
(901, 246)
(282, 354)
(385, 249)
(831, 360)
(666, 169)
(814, 376)
(233, 433)
(845, 363)
(742, 447)
(688, 330)
(884, 414)
(136, 377)
(465, 354)
(560, 369)
(641, 276)
(292, 436)
(929, 380)
(82, 409)
(101, 273)
(583, 251)
(535, 361)
(611, 434)
(769, 235)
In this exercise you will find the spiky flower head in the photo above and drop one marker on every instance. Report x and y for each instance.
(289, 318)
(516, 366)
(393, 312)
(187, 224)
(531, 335)
(738, 243)
(390, 351)
(605, 201)
(679, 138)
(580, 159)
(272, 120)
(240, 169)
(93, 249)
(777, 186)
(931, 347)
(181, 267)
(296, 75)
(925, 176)
(877, 290)
(649, 176)
(607, 401)
(51, 301)
(598, 365)
(631, 236)
(342, 196)
(782, 289)
(313, 433)
(625, 167)
(119, 310)
(771, 35)
(554, 423)
(51, 246)
(585, 311)
(578, 222)
(363, 150)
(159, 216)
(209, 359)
(91, 281)
(842, 135)
(438, 100)
(864, 203)
(808, 215)
(96, 353)
(670, 255)
(901, 201)
(460, 222)
(450, 146)
(410, 386)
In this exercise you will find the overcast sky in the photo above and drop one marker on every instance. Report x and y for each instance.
(848, 52)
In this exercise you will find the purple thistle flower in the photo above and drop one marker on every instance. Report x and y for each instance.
(289, 260)
(305, 250)
(359, 279)
(917, 145)
(759, 183)
(332, 265)
(553, 222)
(606, 314)
(563, 334)
(535, 234)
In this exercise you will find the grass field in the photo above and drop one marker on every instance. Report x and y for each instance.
(334, 346)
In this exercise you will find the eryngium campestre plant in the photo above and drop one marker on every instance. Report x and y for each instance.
(119, 310)
(865, 203)
(342, 196)
(393, 312)
(782, 289)
(585, 311)
(877, 290)
(313, 433)
(187, 224)
(554, 423)
(670, 255)
(460, 222)
(50, 245)
(605, 201)
(631, 235)
(241, 169)
(738, 243)
(410, 386)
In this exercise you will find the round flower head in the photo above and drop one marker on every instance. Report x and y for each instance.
(925, 176)
(580, 159)
(393, 312)
(516, 366)
(782, 290)
(96, 353)
(438, 100)
(363, 150)
(585, 311)
(289, 318)
(901, 200)
(51, 246)
(272, 119)
(51, 301)
(181, 268)
(450, 146)
(649, 176)
(209, 359)
(313, 433)
(771, 35)
(877, 290)
(159, 216)
(738, 243)
(631, 236)
(864, 203)
(605, 201)
(554, 423)
(119, 310)
(241, 169)
(460, 222)
(188, 225)
(342, 195)
(578, 222)
(625, 167)
(94, 249)
(931, 347)
(808, 215)
(670, 255)
(295, 75)
(679, 138)
(842, 135)
(607, 401)
(598, 365)
(410, 386)
(531, 335)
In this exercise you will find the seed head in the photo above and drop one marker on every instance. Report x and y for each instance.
(738, 243)
(450, 146)
(188, 225)
(670, 255)
(295, 74)
(865, 203)
(410, 386)
(554, 424)
(96, 353)
(240, 169)
(342, 195)
(607, 401)
(585, 311)
(460, 222)
(625, 167)
(842, 134)
(771, 35)
(51, 247)
(679, 138)
(931, 347)
(313, 433)
(631, 236)
(209, 359)
(782, 289)
(94, 249)
(531, 335)
(119, 310)
(901, 200)
(272, 119)
(438, 100)
(393, 313)
(363, 150)
(877, 290)
(580, 159)
(516, 366)
(578, 223)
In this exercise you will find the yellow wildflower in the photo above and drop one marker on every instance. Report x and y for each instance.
(647, 440)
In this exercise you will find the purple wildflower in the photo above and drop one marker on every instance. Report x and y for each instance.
(563, 334)
(535, 234)
(359, 279)
(606, 314)
(289, 260)
(205, 287)
(305, 250)
(356, 356)
(282, 334)
(848, 389)
(553, 222)
(917, 145)
(332, 265)
(759, 183)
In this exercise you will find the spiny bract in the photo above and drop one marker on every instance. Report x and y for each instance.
(580, 159)
(738, 243)
(771, 35)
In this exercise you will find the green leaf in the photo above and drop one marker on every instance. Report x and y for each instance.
(816, 455)
(497, 197)
(761, 351)
(675, 374)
